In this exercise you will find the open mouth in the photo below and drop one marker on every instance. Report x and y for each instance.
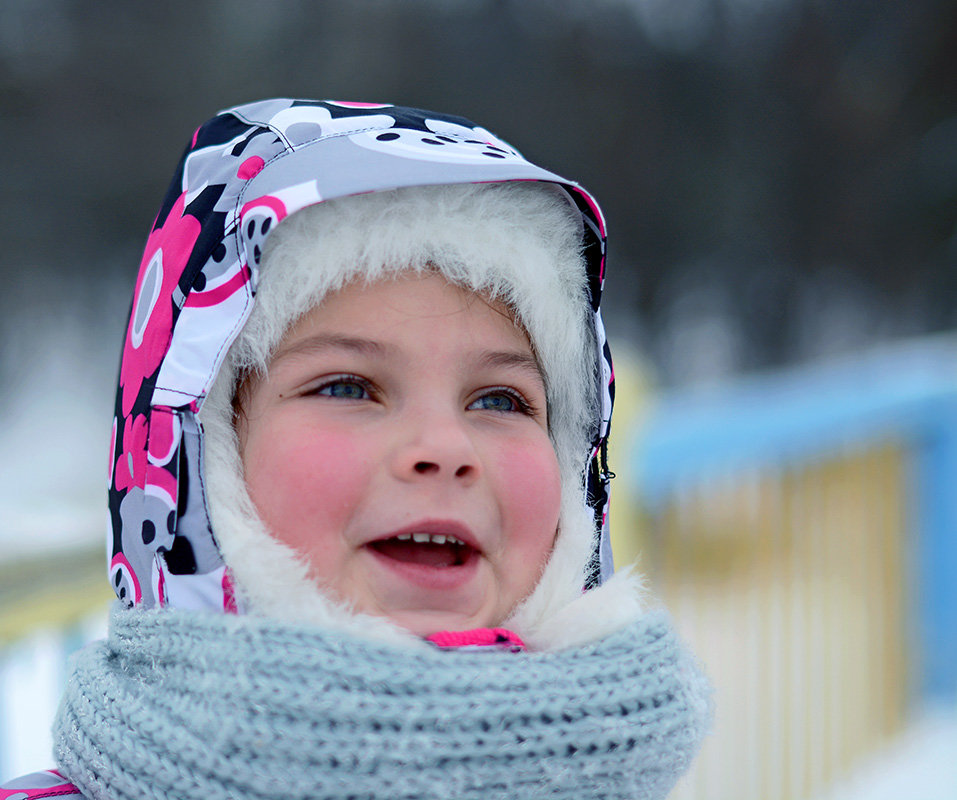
(425, 549)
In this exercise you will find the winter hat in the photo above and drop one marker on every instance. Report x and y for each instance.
(243, 173)
(518, 243)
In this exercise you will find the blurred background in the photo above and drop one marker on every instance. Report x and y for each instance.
(780, 181)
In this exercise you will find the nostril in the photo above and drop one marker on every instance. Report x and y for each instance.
(430, 467)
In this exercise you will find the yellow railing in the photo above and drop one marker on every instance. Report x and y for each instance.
(800, 527)
(789, 587)
(53, 590)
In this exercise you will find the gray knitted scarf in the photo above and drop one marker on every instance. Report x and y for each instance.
(188, 706)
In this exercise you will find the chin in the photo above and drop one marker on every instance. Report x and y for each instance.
(426, 622)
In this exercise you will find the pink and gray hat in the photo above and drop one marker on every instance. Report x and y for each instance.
(244, 171)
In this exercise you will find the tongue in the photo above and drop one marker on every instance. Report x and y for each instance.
(426, 553)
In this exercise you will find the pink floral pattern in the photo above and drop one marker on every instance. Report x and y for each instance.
(131, 465)
(151, 324)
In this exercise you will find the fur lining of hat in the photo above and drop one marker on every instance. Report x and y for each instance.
(517, 243)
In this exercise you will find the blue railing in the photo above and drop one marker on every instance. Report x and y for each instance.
(906, 393)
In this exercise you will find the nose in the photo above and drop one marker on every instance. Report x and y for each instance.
(438, 447)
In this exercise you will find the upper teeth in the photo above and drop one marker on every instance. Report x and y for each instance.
(434, 538)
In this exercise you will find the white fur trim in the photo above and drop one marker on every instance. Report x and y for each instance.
(515, 242)
(591, 616)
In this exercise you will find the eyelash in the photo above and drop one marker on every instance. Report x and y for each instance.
(346, 379)
(522, 406)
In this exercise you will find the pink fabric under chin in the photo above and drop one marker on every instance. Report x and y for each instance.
(48, 783)
(478, 637)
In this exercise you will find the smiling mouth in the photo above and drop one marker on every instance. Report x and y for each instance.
(425, 549)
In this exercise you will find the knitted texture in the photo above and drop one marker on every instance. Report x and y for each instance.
(187, 705)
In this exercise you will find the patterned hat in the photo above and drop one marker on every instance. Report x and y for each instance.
(243, 172)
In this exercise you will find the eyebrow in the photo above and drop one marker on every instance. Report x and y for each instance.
(512, 359)
(326, 341)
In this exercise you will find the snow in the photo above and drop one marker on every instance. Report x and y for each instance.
(32, 677)
(921, 764)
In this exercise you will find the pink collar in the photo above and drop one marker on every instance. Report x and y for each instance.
(502, 638)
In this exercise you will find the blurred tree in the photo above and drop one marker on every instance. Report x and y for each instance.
(747, 151)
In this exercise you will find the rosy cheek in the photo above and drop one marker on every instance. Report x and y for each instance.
(302, 482)
(532, 487)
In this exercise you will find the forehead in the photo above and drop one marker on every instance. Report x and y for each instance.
(420, 322)
(414, 303)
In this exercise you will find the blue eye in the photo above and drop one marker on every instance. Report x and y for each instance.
(347, 389)
(496, 401)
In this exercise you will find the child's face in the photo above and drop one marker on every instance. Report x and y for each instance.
(399, 443)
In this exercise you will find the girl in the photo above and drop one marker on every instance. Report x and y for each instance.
(358, 485)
